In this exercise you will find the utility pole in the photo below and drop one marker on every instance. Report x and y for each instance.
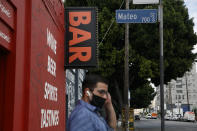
(126, 82)
(161, 66)
(188, 105)
(170, 97)
(179, 104)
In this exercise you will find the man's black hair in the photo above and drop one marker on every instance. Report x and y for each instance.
(91, 80)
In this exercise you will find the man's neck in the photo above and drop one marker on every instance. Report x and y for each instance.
(85, 99)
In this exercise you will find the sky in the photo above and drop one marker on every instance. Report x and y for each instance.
(191, 5)
(192, 8)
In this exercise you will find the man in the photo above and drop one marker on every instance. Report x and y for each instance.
(85, 116)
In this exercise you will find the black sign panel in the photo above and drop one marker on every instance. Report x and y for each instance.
(81, 37)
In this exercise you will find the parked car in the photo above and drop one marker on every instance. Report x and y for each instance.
(148, 116)
(175, 118)
(119, 122)
(189, 116)
(137, 117)
(167, 117)
(153, 115)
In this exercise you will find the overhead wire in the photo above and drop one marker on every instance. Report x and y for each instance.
(110, 25)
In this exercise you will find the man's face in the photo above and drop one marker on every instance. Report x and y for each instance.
(101, 90)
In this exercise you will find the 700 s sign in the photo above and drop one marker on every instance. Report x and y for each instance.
(81, 37)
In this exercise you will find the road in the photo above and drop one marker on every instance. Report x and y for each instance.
(155, 125)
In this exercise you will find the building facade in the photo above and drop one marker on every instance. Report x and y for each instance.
(180, 93)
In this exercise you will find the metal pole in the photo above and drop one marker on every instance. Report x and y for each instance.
(179, 105)
(126, 84)
(161, 67)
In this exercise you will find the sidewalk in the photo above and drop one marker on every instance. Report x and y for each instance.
(119, 129)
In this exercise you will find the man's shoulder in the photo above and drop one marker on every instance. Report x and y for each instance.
(81, 119)
(80, 111)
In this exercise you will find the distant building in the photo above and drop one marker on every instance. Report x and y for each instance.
(180, 92)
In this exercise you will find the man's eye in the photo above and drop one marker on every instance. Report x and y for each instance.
(102, 92)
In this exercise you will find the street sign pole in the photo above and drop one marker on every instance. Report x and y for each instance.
(126, 84)
(161, 66)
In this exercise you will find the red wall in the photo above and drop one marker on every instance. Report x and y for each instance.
(32, 79)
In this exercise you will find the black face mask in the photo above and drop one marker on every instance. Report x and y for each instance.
(97, 101)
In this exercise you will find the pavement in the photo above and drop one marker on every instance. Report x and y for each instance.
(119, 129)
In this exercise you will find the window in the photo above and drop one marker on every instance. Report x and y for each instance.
(179, 81)
(189, 84)
(178, 86)
(166, 96)
(179, 96)
(196, 67)
(179, 91)
(183, 97)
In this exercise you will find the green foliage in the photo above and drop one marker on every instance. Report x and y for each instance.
(142, 96)
(195, 110)
(179, 39)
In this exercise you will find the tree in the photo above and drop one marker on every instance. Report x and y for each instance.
(179, 39)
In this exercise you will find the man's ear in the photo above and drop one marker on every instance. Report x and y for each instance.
(87, 92)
